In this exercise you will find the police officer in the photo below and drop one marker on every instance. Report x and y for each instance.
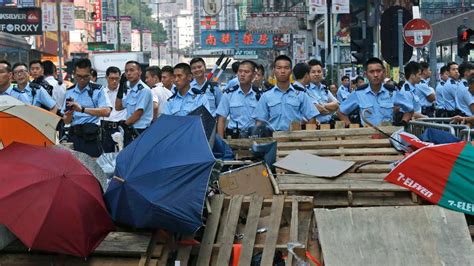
(425, 93)
(110, 124)
(413, 76)
(210, 89)
(450, 89)
(185, 99)
(325, 102)
(85, 103)
(36, 93)
(376, 101)
(301, 75)
(468, 117)
(344, 90)
(138, 102)
(284, 104)
(153, 77)
(167, 78)
(440, 107)
(238, 103)
(234, 80)
(58, 88)
(464, 96)
(6, 87)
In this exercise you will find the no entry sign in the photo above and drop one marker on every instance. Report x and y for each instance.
(417, 32)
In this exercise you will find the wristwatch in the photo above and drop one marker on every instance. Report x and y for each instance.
(83, 109)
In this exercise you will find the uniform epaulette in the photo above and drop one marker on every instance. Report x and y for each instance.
(453, 81)
(407, 87)
(422, 81)
(229, 90)
(172, 96)
(72, 87)
(95, 86)
(140, 86)
(442, 83)
(363, 87)
(465, 83)
(268, 89)
(258, 92)
(298, 88)
(17, 90)
(390, 87)
(197, 91)
(267, 85)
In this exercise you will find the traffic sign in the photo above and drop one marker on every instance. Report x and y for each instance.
(417, 33)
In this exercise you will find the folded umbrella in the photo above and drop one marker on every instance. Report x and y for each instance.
(161, 178)
(441, 174)
(50, 201)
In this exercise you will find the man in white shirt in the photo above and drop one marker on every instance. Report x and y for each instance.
(153, 77)
(110, 124)
(59, 90)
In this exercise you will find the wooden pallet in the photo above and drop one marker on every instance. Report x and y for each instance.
(286, 218)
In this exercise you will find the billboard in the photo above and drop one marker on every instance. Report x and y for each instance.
(232, 39)
(21, 21)
(274, 23)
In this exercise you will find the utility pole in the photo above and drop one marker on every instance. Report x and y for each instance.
(400, 43)
(60, 43)
(140, 28)
(117, 4)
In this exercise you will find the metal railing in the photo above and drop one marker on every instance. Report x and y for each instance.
(461, 131)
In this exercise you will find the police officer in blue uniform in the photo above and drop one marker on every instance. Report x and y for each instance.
(37, 94)
(138, 102)
(185, 99)
(450, 89)
(376, 101)
(6, 87)
(440, 107)
(210, 89)
(425, 93)
(238, 104)
(323, 99)
(413, 78)
(344, 90)
(85, 103)
(284, 103)
(301, 75)
(464, 97)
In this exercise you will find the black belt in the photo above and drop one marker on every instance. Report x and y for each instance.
(233, 133)
(109, 124)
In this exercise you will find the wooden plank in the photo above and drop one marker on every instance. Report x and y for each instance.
(343, 151)
(250, 231)
(350, 143)
(229, 230)
(371, 168)
(362, 199)
(210, 231)
(365, 158)
(418, 235)
(354, 186)
(40, 260)
(293, 229)
(184, 251)
(307, 179)
(347, 132)
(274, 228)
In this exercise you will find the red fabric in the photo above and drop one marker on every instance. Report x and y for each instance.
(236, 254)
(50, 201)
(427, 170)
(417, 144)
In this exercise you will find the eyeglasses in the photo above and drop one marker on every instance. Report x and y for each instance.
(82, 77)
(21, 71)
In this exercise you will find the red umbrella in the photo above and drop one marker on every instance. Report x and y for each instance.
(50, 201)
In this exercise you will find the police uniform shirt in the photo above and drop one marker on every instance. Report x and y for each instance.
(281, 108)
(239, 107)
(98, 100)
(342, 93)
(409, 90)
(463, 83)
(140, 97)
(464, 99)
(321, 95)
(115, 116)
(232, 83)
(449, 94)
(182, 105)
(41, 97)
(213, 96)
(379, 104)
(19, 95)
(439, 95)
(422, 90)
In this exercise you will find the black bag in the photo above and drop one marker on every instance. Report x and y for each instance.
(90, 131)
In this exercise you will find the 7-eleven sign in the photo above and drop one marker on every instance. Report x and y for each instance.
(208, 23)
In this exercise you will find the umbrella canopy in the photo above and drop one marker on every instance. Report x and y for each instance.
(24, 123)
(50, 201)
(442, 174)
(208, 121)
(161, 178)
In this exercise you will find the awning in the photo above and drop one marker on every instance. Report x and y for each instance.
(8, 40)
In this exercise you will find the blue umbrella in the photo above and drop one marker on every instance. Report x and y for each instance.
(161, 178)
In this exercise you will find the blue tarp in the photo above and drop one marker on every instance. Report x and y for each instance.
(438, 136)
(166, 172)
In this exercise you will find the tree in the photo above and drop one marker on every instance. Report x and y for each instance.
(130, 8)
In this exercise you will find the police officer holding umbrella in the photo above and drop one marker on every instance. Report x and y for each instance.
(85, 103)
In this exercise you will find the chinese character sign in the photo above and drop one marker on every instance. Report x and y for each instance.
(111, 30)
(67, 15)
(126, 29)
(235, 39)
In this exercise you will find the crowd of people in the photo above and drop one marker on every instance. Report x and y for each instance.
(248, 106)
